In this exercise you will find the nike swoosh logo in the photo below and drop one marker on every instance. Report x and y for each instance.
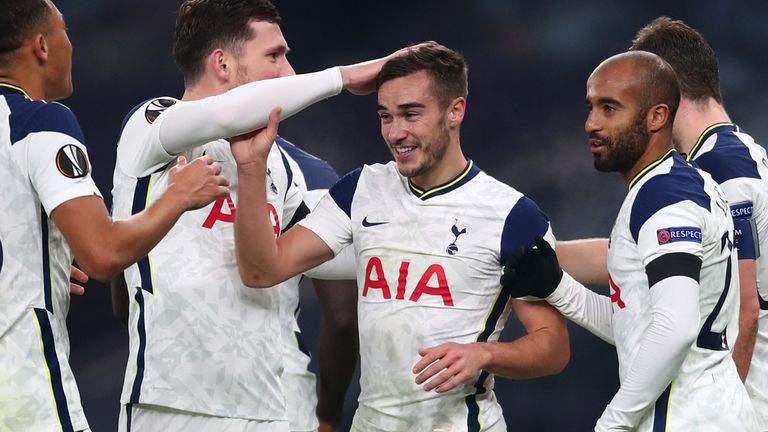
(372, 224)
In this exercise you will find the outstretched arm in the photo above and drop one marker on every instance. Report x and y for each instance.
(103, 246)
(244, 109)
(586, 260)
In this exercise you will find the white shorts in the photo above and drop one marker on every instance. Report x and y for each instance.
(150, 418)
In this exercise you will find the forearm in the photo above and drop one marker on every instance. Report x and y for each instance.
(255, 242)
(243, 109)
(748, 314)
(544, 352)
(662, 350)
(586, 260)
(584, 307)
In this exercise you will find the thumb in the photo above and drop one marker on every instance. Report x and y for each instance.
(181, 161)
(274, 120)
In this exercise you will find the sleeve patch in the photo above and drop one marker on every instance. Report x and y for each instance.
(678, 234)
(156, 107)
(72, 162)
(742, 210)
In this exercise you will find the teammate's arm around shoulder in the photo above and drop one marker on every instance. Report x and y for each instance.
(103, 247)
(262, 260)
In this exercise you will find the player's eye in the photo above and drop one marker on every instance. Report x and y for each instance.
(385, 118)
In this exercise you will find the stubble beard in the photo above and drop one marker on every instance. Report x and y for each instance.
(625, 149)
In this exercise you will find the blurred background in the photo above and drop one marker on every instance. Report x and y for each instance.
(528, 65)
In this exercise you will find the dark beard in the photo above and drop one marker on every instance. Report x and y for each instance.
(624, 150)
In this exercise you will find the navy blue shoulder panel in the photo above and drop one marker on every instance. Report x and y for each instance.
(317, 173)
(524, 223)
(344, 190)
(29, 116)
(288, 170)
(682, 183)
(728, 159)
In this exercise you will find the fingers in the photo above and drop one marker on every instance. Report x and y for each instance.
(76, 290)
(428, 356)
(78, 275)
(181, 161)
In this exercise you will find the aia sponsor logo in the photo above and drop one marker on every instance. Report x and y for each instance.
(223, 210)
(616, 293)
(431, 282)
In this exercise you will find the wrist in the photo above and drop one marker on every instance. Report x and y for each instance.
(176, 197)
(485, 354)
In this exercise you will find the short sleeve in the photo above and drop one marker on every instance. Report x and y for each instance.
(139, 151)
(56, 157)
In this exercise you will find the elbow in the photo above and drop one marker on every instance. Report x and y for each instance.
(101, 267)
(256, 280)
(562, 357)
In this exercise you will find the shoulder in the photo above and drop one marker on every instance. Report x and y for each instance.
(30, 116)
(318, 173)
(726, 155)
(145, 113)
(681, 183)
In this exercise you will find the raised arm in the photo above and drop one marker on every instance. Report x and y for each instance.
(184, 125)
(103, 247)
(264, 261)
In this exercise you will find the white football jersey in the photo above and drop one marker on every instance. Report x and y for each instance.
(740, 166)
(314, 177)
(200, 341)
(673, 211)
(428, 273)
(44, 163)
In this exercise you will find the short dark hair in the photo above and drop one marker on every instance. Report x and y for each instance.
(446, 67)
(19, 19)
(203, 25)
(689, 54)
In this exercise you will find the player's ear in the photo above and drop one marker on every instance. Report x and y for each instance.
(40, 48)
(456, 111)
(657, 117)
(218, 63)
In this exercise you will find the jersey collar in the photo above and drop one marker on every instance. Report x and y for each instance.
(6, 88)
(467, 174)
(651, 166)
(708, 132)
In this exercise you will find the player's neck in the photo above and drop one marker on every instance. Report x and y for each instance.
(693, 118)
(660, 144)
(31, 83)
(445, 170)
(202, 89)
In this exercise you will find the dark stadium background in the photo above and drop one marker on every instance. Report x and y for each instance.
(528, 66)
